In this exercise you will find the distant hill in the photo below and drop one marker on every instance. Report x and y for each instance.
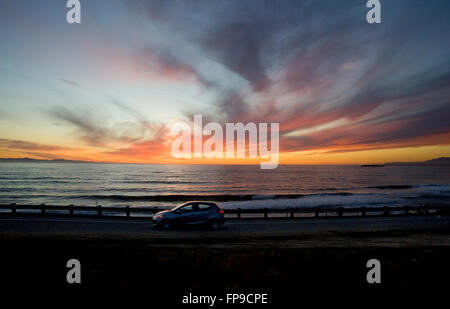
(438, 161)
(29, 160)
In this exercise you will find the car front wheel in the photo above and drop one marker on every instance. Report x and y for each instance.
(165, 225)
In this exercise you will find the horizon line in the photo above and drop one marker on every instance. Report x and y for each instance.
(219, 164)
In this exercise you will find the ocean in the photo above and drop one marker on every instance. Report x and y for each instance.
(245, 186)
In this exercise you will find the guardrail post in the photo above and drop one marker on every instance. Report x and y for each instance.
(71, 209)
(43, 211)
(292, 212)
(363, 212)
(13, 208)
(127, 211)
(340, 212)
(99, 210)
(316, 213)
(386, 211)
(265, 213)
(239, 213)
(407, 210)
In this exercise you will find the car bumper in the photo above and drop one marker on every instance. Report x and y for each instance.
(156, 221)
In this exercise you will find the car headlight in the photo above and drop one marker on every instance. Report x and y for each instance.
(158, 216)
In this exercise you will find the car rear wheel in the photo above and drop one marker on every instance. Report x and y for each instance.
(214, 225)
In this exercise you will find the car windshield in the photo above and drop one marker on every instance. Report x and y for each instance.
(179, 206)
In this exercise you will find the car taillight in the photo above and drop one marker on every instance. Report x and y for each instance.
(221, 211)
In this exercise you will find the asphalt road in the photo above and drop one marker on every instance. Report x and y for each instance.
(26, 225)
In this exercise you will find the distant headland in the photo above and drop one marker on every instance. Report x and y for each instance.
(437, 161)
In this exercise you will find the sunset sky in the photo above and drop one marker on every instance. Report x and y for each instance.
(109, 89)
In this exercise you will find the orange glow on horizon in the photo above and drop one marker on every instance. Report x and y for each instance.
(310, 157)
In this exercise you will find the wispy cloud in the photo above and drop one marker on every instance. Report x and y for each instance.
(69, 82)
(26, 145)
(91, 127)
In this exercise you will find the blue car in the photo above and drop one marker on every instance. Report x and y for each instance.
(191, 213)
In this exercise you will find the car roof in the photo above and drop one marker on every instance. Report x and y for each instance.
(201, 202)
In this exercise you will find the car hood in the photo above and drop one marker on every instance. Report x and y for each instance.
(162, 212)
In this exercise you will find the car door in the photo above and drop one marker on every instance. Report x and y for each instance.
(196, 214)
(203, 213)
(185, 214)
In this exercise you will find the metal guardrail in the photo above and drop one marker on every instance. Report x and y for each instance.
(238, 213)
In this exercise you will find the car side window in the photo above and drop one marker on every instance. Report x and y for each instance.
(186, 208)
(204, 206)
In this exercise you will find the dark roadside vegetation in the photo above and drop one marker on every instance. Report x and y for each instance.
(281, 266)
